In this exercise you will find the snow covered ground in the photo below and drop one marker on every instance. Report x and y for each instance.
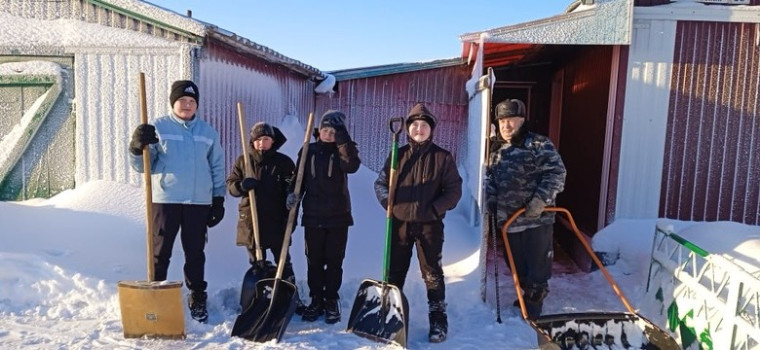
(61, 259)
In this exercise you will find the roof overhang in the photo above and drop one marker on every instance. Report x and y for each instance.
(606, 22)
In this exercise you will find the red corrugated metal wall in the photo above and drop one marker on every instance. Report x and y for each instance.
(370, 102)
(712, 150)
(268, 92)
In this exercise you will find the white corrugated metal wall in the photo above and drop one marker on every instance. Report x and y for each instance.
(107, 105)
(645, 117)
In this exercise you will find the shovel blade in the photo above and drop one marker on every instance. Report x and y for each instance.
(256, 273)
(380, 312)
(602, 329)
(270, 312)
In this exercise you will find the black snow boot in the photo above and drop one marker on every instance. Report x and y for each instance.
(196, 301)
(332, 311)
(534, 301)
(439, 324)
(314, 310)
(300, 307)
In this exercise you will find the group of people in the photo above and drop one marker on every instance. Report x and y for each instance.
(188, 173)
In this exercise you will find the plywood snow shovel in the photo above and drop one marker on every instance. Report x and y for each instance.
(381, 311)
(259, 270)
(148, 308)
(590, 330)
(275, 300)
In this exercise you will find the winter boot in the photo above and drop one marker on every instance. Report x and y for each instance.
(534, 301)
(439, 324)
(314, 310)
(332, 311)
(196, 301)
(300, 307)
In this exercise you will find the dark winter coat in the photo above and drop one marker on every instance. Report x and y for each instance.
(428, 183)
(326, 201)
(274, 171)
(529, 167)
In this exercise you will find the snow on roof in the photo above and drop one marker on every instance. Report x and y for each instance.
(31, 33)
(604, 22)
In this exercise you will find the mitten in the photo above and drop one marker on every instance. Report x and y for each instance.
(144, 134)
(341, 135)
(216, 213)
(534, 208)
(248, 184)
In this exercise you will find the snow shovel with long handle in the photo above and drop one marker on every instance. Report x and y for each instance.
(275, 300)
(381, 311)
(149, 308)
(590, 330)
(259, 270)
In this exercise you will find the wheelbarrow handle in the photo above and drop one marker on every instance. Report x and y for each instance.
(583, 241)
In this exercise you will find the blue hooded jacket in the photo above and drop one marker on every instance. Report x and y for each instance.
(187, 164)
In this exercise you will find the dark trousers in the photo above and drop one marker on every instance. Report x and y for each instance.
(325, 250)
(533, 253)
(190, 220)
(428, 238)
(287, 272)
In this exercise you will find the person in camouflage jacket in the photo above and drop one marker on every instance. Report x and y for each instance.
(526, 172)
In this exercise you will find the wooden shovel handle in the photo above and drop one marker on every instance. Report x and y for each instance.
(251, 194)
(146, 179)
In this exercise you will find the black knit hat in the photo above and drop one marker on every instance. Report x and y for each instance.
(420, 112)
(332, 119)
(183, 88)
(261, 129)
(510, 108)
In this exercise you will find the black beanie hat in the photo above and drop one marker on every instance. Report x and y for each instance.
(332, 119)
(510, 108)
(420, 112)
(183, 88)
(261, 129)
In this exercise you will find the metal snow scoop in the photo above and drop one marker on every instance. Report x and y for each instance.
(149, 308)
(275, 300)
(590, 330)
(381, 311)
(260, 268)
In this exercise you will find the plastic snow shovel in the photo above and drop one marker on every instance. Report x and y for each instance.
(275, 299)
(590, 330)
(380, 311)
(260, 268)
(150, 308)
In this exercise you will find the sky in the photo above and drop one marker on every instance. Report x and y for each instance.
(340, 34)
(61, 260)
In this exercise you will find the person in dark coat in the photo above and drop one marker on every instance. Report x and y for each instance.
(326, 213)
(270, 181)
(526, 172)
(428, 186)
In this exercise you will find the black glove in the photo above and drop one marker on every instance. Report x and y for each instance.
(491, 204)
(216, 213)
(248, 184)
(145, 134)
(341, 135)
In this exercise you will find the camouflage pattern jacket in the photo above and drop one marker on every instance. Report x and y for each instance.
(530, 168)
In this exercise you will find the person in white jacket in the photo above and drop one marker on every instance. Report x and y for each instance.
(188, 183)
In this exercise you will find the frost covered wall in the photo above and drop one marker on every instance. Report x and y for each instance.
(712, 148)
(369, 103)
(108, 105)
(268, 92)
(102, 91)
